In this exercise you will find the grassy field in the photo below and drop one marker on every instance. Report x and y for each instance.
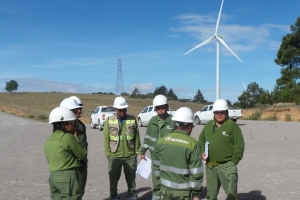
(37, 106)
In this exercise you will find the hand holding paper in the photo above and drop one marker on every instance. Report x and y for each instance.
(144, 168)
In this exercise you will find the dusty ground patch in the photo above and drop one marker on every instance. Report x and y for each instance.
(279, 113)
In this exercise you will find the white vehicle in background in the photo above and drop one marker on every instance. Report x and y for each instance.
(99, 116)
(206, 114)
(146, 114)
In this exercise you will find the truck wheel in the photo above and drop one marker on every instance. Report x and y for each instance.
(92, 125)
(99, 126)
(234, 120)
(197, 120)
(140, 122)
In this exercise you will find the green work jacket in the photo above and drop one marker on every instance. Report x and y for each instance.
(180, 165)
(81, 130)
(63, 151)
(121, 139)
(154, 133)
(226, 143)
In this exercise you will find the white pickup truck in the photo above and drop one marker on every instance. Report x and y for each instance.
(99, 116)
(206, 114)
(146, 114)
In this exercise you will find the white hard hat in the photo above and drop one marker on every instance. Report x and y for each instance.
(77, 100)
(60, 114)
(120, 103)
(69, 103)
(160, 100)
(183, 114)
(220, 104)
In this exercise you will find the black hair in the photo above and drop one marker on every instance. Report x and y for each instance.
(182, 125)
(59, 126)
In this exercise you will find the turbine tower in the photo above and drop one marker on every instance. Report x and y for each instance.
(119, 88)
(219, 40)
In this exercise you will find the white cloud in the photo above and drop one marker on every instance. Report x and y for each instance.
(238, 37)
(143, 88)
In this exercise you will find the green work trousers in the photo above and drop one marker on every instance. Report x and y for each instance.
(83, 179)
(225, 175)
(168, 194)
(114, 170)
(156, 193)
(65, 185)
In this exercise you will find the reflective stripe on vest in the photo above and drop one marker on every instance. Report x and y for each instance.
(114, 138)
(180, 185)
(111, 121)
(156, 173)
(130, 121)
(151, 138)
(130, 137)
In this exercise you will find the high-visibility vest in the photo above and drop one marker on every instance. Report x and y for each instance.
(114, 129)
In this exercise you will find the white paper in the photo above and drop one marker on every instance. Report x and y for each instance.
(144, 168)
(206, 149)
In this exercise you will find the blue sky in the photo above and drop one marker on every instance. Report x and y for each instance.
(73, 46)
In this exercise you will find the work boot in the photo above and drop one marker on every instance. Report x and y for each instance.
(114, 198)
(133, 196)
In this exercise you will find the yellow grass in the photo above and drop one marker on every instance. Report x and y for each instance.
(38, 105)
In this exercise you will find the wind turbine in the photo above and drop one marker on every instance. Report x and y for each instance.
(219, 40)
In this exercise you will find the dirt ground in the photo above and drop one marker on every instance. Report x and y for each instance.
(269, 168)
(282, 114)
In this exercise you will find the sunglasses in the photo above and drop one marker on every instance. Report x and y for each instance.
(122, 110)
(160, 107)
(220, 112)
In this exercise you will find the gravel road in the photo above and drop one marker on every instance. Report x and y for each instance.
(269, 169)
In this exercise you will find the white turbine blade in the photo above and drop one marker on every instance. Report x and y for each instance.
(218, 21)
(192, 96)
(224, 43)
(244, 86)
(201, 44)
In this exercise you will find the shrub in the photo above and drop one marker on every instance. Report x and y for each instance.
(42, 117)
(255, 116)
(288, 117)
(271, 118)
(30, 116)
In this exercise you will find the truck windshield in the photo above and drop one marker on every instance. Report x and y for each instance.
(108, 109)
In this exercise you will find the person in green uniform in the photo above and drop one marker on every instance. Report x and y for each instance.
(225, 150)
(180, 168)
(121, 144)
(158, 126)
(72, 104)
(63, 150)
(81, 130)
